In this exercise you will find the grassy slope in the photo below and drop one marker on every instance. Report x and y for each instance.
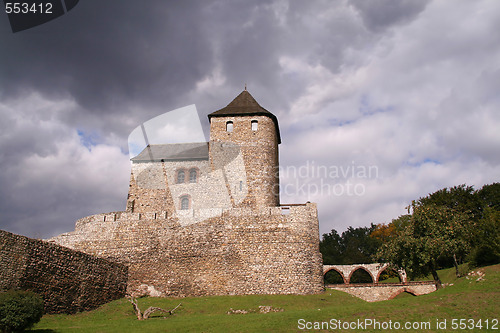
(464, 299)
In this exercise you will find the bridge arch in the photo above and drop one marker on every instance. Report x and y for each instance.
(360, 268)
(401, 273)
(336, 270)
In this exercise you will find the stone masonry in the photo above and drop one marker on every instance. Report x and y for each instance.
(242, 251)
(69, 281)
(384, 292)
(205, 218)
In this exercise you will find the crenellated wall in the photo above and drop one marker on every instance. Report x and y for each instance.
(272, 250)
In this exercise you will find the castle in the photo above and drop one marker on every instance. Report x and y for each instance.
(206, 219)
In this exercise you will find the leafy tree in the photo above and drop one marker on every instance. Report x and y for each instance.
(385, 232)
(359, 247)
(354, 246)
(331, 248)
(432, 232)
(486, 250)
(481, 207)
(489, 195)
(460, 198)
(19, 310)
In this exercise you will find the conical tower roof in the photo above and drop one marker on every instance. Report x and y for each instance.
(245, 105)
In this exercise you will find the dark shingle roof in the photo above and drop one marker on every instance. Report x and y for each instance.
(245, 105)
(173, 152)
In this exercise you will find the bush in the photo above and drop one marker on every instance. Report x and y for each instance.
(19, 310)
(485, 255)
(487, 249)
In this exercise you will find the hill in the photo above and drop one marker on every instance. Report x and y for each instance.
(473, 299)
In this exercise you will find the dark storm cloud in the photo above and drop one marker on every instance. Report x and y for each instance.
(380, 14)
(106, 54)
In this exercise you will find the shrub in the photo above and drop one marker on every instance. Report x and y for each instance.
(19, 310)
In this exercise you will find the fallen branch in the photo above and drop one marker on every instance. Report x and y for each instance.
(149, 311)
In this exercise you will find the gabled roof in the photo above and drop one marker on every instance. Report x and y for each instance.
(245, 105)
(173, 152)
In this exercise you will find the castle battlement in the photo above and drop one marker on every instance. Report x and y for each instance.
(197, 214)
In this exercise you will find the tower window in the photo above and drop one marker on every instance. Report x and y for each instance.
(185, 202)
(255, 125)
(181, 176)
(193, 176)
(229, 126)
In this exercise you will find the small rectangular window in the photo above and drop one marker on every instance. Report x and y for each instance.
(255, 125)
(229, 126)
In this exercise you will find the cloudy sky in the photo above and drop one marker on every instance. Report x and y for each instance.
(379, 102)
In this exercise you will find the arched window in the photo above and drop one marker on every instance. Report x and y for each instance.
(229, 126)
(193, 176)
(180, 177)
(184, 202)
(255, 125)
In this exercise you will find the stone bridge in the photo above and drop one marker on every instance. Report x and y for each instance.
(374, 270)
(372, 292)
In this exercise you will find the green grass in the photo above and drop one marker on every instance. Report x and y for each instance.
(465, 299)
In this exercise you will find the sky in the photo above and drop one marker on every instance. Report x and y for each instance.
(379, 102)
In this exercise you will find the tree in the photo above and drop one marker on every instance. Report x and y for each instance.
(489, 195)
(355, 246)
(460, 198)
(331, 248)
(385, 232)
(359, 247)
(432, 232)
(486, 250)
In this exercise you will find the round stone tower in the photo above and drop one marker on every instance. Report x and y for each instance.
(244, 129)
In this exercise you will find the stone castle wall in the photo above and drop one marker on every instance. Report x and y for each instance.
(69, 281)
(242, 251)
